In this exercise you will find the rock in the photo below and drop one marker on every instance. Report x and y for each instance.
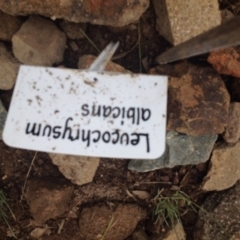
(172, 70)
(224, 169)
(3, 116)
(197, 102)
(139, 235)
(73, 45)
(48, 198)
(141, 194)
(177, 233)
(73, 30)
(80, 170)
(85, 61)
(120, 221)
(226, 61)
(221, 216)
(116, 13)
(226, 15)
(8, 68)
(38, 232)
(180, 150)
(39, 42)
(232, 132)
(179, 21)
(9, 25)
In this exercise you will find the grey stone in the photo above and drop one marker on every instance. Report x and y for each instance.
(221, 216)
(3, 116)
(9, 66)
(180, 150)
(39, 42)
(179, 20)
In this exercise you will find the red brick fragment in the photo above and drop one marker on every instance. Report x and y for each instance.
(226, 61)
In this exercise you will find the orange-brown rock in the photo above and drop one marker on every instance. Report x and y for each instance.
(48, 198)
(85, 62)
(116, 13)
(197, 102)
(120, 220)
(226, 61)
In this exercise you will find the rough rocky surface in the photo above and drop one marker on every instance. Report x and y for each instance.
(39, 42)
(179, 21)
(180, 150)
(232, 132)
(177, 233)
(9, 25)
(224, 169)
(85, 61)
(3, 116)
(171, 70)
(80, 170)
(197, 102)
(222, 218)
(140, 235)
(121, 219)
(226, 61)
(48, 198)
(73, 30)
(116, 13)
(8, 68)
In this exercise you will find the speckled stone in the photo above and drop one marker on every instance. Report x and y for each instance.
(179, 20)
(221, 218)
(3, 116)
(180, 150)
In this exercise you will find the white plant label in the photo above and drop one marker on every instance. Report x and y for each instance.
(88, 113)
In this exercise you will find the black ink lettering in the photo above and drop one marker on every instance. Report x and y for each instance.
(56, 133)
(131, 114)
(148, 111)
(106, 137)
(77, 136)
(32, 131)
(115, 115)
(147, 140)
(126, 138)
(117, 138)
(49, 130)
(99, 135)
(123, 112)
(136, 141)
(106, 111)
(138, 116)
(98, 113)
(85, 109)
(87, 138)
(67, 129)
